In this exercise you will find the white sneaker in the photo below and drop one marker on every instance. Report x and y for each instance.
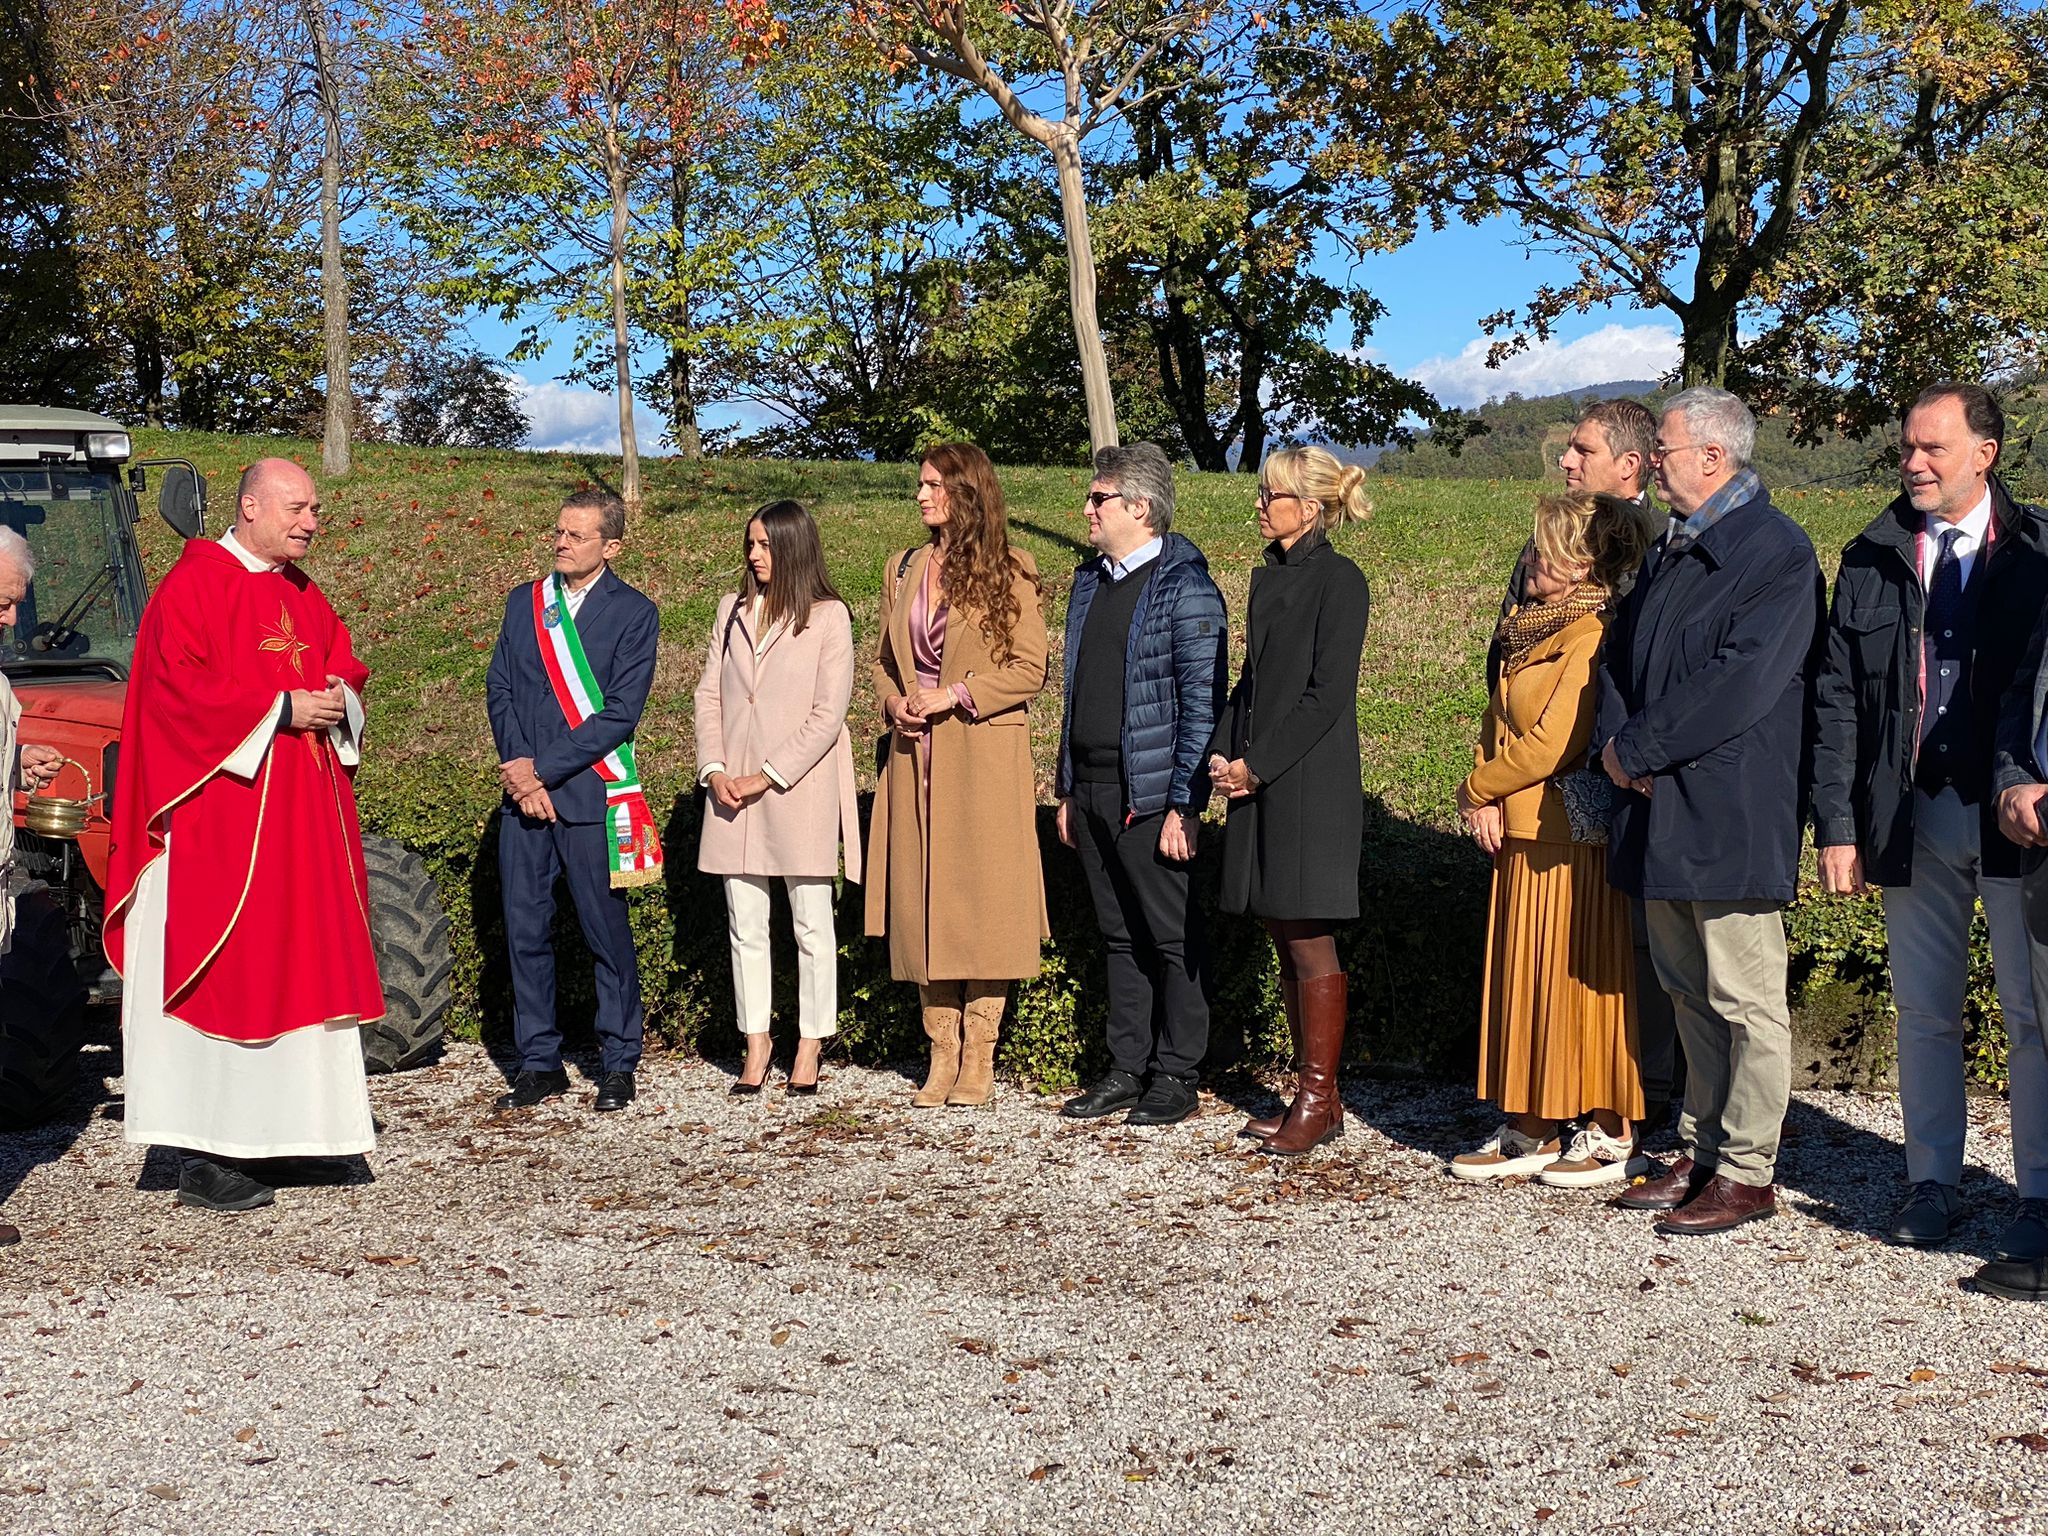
(1505, 1153)
(1595, 1157)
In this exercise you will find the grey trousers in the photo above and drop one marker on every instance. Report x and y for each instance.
(1723, 963)
(1927, 930)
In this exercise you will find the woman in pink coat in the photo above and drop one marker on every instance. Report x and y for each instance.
(771, 736)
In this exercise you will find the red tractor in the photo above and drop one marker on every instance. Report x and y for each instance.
(62, 488)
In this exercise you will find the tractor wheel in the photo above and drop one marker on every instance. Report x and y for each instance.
(410, 933)
(42, 1014)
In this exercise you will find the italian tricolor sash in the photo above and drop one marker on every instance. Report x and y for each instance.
(635, 844)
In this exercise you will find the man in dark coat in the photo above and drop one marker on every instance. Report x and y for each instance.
(579, 639)
(2019, 778)
(1703, 706)
(1145, 660)
(1932, 611)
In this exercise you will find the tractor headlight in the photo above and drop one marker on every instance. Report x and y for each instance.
(107, 445)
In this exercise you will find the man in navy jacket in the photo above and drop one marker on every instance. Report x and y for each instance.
(1703, 707)
(1145, 669)
(1933, 608)
(553, 822)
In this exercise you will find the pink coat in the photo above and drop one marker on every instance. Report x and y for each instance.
(787, 709)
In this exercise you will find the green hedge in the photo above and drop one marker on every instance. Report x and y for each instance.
(1414, 957)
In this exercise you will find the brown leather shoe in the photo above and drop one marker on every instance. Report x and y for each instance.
(1668, 1190)
(1721, 1205)
(1290, 997)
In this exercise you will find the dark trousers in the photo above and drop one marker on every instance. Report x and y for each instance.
(1658, 1053)
(531, 854)
(1144, 904)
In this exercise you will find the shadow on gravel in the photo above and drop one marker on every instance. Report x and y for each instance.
(99, 1064)
(1852, 1179)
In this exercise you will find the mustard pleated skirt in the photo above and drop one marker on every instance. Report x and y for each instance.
(1558, 1032)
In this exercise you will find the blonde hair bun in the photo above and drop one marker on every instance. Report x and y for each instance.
(1318, 475)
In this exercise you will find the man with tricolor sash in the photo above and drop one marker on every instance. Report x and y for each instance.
(567, 684)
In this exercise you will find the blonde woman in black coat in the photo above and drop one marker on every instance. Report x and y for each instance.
(1286, 753)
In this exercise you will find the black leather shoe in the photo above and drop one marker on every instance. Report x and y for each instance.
(615, 1092)
(1928, 1216)
(213, 1186)
(1116, 1089)
(2025, 1241)
(2014, 1279)
(1167, 1102)
(529, 1088)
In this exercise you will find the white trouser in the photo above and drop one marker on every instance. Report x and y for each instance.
(1927, 928)
(817, 953)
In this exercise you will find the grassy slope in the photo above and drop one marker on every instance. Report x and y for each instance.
(420, 547)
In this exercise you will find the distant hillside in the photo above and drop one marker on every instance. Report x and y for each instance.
(1523, 436)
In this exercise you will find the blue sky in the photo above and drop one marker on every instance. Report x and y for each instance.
(1436, 289)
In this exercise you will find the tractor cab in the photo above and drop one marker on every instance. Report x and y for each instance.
(62, 489)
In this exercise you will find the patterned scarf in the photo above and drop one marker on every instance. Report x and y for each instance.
(1524, 628)
(1743, 488)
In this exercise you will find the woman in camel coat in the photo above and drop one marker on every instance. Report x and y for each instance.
(954, 878)
(1558, 1032)
(776, 758)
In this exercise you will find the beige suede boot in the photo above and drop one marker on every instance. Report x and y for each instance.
(983, 1022)
(942, 1027)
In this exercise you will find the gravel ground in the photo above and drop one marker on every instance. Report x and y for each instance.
(784, 1316)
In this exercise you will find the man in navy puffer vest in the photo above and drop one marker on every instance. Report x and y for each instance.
(1145, 670)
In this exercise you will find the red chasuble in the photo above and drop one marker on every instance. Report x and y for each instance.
(267, 927)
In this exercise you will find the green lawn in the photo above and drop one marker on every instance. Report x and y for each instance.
(420, 546)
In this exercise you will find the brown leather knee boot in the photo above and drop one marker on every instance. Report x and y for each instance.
(982, 1022)
(942, 1027)
(1317, 1114)
(1290, 998)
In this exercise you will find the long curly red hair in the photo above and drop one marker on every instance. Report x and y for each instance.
(980, 569)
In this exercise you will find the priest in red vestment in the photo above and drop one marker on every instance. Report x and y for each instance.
(237, 901)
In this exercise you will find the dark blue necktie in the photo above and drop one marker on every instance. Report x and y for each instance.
(1943, 655)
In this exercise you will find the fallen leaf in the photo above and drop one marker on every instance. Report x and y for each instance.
(1623, 1368)
(2017, 1368)
(2033, 1441)
(551, 1461)
(779, 1337)
(1628, 1482)
(391, 1260)
(972, 1346)
(163, 1491)
(1039, 1474)
(1545, 1514)
(1475, 1357)
(1922, 1374)
(245, 1434)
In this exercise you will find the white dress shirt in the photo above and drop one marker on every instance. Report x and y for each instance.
(1973, 528)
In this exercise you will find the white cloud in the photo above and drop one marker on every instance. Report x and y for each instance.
(568, 419)
(1548, 368)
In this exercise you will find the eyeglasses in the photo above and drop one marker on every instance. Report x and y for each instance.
(1097, 499)
(1267, 498)
(574, 537)
(1660, 452)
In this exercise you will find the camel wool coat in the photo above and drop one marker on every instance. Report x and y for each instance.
(1539, 724)
(785, 708)
(957, 888)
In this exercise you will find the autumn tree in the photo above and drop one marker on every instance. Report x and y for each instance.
(1686, 157)
(521, 137)
(1061, 72)
(1243, 244)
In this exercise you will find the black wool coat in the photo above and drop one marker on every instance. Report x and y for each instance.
(1290, 849)
(1867, 696)
(1705, 688)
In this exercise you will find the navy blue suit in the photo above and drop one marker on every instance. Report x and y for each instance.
(619, 628)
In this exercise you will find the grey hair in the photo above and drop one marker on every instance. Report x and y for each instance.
(1715, 416)
(15, 548)
(1141, 472)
